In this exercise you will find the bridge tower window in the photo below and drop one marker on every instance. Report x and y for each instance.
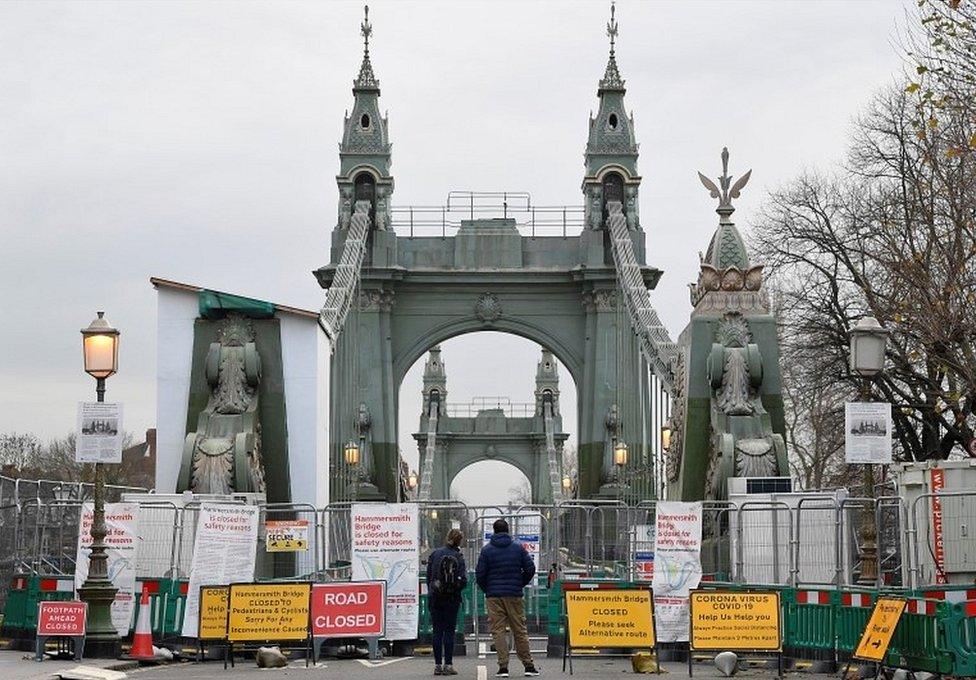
(613, 190)
(364, 121)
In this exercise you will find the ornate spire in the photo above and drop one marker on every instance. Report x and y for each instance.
(366, 79)
(725, 194)
(611, 77)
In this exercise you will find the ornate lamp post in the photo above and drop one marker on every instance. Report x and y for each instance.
(620, 454)
(868, 342)
(567, 486)
(351, 455)
(100, 343)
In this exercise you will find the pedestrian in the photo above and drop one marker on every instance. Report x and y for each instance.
(504, 569)
(447, 577)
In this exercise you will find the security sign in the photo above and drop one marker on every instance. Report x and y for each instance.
(286, 535)
(356, 609)
(881, 626)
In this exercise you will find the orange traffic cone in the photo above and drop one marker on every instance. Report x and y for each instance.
(142, 646)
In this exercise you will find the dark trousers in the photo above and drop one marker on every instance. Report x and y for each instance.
(443, 616)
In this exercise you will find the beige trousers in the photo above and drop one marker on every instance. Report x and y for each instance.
(504, 613)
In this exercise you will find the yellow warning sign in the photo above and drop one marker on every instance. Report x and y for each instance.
(213, 613)
(610, 618)
(268, 611)
(735, 621)
(286, 535)
(881, 626)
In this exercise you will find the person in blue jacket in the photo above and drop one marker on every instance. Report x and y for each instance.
(447, 577)
(504, 569)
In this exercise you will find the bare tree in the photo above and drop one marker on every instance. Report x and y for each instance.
(892, 236)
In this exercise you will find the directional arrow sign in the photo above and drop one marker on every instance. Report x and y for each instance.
(881, 626)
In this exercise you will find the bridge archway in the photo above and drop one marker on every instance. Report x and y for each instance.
(465, 484)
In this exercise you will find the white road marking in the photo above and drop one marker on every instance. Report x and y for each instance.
(482, 672)
(377, 664)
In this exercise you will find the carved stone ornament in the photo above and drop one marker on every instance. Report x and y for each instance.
(488, 308)
(376, 300)
(223, 454)
(677, 420)
(599, 300)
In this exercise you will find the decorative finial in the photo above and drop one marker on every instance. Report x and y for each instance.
(366, 29)
(366, 79)
(611, 77)
(725, 194)
(612, 26)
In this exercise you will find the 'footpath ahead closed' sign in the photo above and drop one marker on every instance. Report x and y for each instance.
(354, 609)
(61, 618)
(735, 621)
(610, 618)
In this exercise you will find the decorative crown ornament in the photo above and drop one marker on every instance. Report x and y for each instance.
(725, 194)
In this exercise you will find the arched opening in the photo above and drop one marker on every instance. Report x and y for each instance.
(365, 190)
(613, 190)
(470, 487)
(364, 121)
(612, 121)
(513, 375)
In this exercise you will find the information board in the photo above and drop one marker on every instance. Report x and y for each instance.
(355, 609)
(881, 626)
(259, 612)
(213, 613)
(386, 547)
(224, 551)
(61, 619)
(286, 535)
(122, 542)
(599, 619)
(735, 621)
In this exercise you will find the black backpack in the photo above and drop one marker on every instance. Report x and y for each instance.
(448, 579)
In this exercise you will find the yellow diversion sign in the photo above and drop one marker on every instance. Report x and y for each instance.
(881, 626)
(610, 618)
(735, 621)
(268, 611)
(213, 613)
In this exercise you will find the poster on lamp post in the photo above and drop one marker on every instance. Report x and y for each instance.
(121, 541)
(677, 567)
(224, 552)
(98, 435)
(386, 547)
(867, 429)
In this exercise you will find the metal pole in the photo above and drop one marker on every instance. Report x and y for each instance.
(869, 531)
(102, 639)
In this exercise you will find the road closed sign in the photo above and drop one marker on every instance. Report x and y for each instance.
(735, 621)
(354, 609)
(881, 626)
(61, 619)
(610, 618)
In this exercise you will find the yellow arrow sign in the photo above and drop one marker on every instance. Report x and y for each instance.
(881, 626)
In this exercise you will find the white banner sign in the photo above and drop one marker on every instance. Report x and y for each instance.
(98, 436)
(526, 528)
(386, 547)
(677, 567)
(121, 522)
(868, 432)
(224, 551)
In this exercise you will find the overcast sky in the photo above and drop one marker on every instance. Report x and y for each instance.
(198, 142)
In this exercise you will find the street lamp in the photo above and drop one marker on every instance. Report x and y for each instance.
(100, 344)
(620, 453)
(666, 437)
(351, 453)
(868, 343)
(412, 480)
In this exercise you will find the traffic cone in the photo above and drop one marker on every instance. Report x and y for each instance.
(142, 646)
